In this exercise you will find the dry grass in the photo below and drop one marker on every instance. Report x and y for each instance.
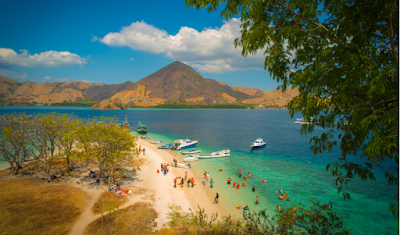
(135, 219)
(31, 208)
(108, 201)
(180, 229)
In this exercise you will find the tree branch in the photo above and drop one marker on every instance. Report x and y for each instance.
(391, 35)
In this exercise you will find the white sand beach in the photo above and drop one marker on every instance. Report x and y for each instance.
(156, 189)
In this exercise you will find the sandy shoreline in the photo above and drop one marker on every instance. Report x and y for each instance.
(197, 196)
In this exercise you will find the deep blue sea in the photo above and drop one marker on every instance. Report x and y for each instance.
(286, 162)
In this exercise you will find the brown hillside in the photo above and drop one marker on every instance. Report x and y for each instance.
(7, 86)
(246, 90)
(71, 94)
(179, 83)
(43, 88)
(26, 89)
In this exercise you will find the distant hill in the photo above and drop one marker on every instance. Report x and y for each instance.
(176, 83)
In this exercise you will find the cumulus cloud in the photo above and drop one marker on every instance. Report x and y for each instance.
(12, 74)
(47, 77)
(210, 50)
(54, 59)
(131, 59)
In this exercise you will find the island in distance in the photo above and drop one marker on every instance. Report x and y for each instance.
(176, 83)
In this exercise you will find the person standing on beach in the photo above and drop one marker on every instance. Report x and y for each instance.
(192, 180)
(211, 183)
(185, 175)
(144, 151)
(207, 176)
(182, 182)
(174, 182)
(188, 182)
(216, 199)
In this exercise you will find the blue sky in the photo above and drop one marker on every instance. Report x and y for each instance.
(113, 42)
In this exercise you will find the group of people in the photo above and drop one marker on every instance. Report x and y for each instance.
(237, 184)
(183, 180)
(138, 150)
(164, 168)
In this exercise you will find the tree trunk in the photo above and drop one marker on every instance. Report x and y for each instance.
(16, 168)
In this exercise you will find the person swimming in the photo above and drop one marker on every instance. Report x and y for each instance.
(246, 208)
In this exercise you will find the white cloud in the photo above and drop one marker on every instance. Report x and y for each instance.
(210, 50)
(131, 59)
(47, 77)
(10, 58)
(12, 74)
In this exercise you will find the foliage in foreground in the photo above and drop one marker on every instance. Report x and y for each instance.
(318, 219)
(32, 208)
(343, 58)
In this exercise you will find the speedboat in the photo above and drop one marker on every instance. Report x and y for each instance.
(303, 121)
(191, 159)
(258, 143)
(182, 144)
(191, 151)
(223, 153)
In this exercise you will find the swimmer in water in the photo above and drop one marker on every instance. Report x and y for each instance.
(254, 188)
(278, 207)
(257, 199)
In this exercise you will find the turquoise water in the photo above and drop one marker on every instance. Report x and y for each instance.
(286, 159)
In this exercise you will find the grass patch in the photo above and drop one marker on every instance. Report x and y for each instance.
(31, 208)
(107, 200)
(135, 219)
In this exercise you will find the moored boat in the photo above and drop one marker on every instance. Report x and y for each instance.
(142, 128)
(191, 151)
(223, 153)
(258, 143)
(182, 144)
(156, 142)
(303, 121)
(181, 165)
(191, 159)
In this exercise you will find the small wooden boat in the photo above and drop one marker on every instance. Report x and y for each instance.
(181, 165)
(223, 153)
(191, 151)
(191, 159)
(156, 142)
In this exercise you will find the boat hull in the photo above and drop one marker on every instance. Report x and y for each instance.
(191, 152)
(258, 146)
(191, 159)
(181, 165)
(187, 145)
(142, 131)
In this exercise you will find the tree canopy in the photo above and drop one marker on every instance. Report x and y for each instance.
(343, 58)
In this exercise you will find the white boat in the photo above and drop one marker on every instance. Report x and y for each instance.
(156, 142)
(191, 151)
(180, 165)
(258, 143)
(182, 144)
(303, 121)
(191, 159)
(223, 153)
